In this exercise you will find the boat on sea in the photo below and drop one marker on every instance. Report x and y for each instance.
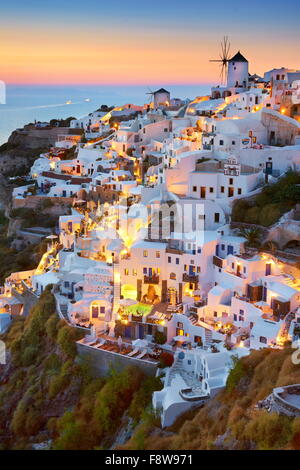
(69, 102)
(87, 99)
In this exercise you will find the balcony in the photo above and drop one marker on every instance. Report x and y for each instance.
(174, 251)
(218, 261)
(154, 279)
(190, 277)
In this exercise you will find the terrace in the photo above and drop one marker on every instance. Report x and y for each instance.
(138, 350)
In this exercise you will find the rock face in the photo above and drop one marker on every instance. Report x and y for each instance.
(287, 230)
(25, 145)
(5, 194)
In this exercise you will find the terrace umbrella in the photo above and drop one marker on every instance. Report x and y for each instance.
(182, 339)
(79, 201)
(140, 343)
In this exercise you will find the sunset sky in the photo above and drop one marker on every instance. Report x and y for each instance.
(141, 42)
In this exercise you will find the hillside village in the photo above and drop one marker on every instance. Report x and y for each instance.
(154, 255)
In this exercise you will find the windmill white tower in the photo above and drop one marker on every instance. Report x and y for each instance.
(238, 71)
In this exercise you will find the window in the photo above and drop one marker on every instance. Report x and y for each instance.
(134, 272)
(222, 247)
(179, 324)
(233, 142)
(177, 260)
(157, 254)
(144, 270)
(165, 129)
(217, 217)
(194, 189)
(211, 190)
(235, 317)
(221, 142)
(263, 339)
(169, 259)
(145, 254)
(67, 284)
(230, 180)
(232, 265)
(244, 269)
(126, 272)
(198, 269)
(199, 250)
(102, 309)
(241, 312)
(239, 190)
(185, 267)
(215, 314)
(173, 276)
(222, 189)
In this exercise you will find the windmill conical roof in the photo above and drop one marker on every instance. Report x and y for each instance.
(238, 58)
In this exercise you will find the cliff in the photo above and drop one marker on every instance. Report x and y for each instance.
(231, 421)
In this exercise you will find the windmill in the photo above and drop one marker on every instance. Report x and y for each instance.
(224, 58)
(151, 96)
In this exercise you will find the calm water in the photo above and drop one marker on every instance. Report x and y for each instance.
(24, 104)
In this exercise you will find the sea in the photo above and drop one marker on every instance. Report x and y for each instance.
(27, 103)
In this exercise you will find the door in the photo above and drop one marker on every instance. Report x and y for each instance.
(268, 269)
(203, 192)
(230, 250)
(264, 294)
(141, 331)
(230, 191)
(127, 332)
(269, 168)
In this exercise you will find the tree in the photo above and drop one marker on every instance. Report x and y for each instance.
(166, 359)
(252, 235)
(159, 337)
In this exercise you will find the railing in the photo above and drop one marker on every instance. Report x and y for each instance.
(217, 261)
(188, 394)
(151, 279)
(174, 251)
(190, 277)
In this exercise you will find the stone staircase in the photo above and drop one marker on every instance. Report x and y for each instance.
(176, 368)
(208, 337)
(188, 377)
(64, 311)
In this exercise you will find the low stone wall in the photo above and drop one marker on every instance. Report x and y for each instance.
(281, 393)
(102, 360)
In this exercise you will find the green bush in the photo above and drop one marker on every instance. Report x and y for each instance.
(159, 337)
